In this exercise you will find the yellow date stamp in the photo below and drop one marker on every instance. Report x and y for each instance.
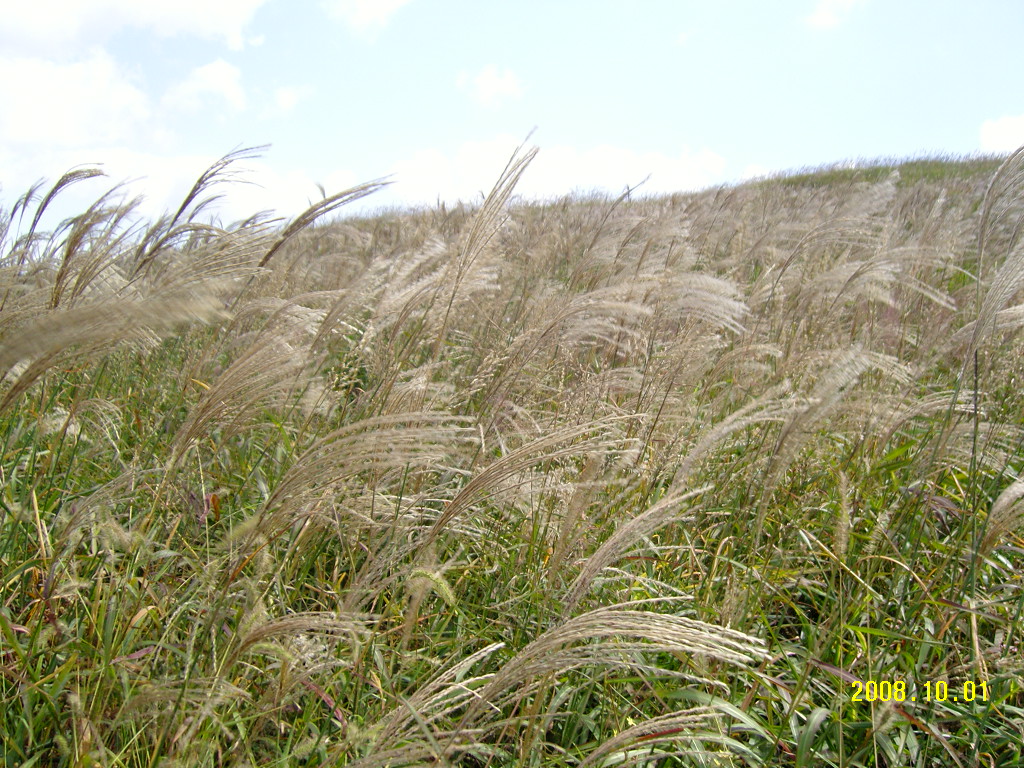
(928, 691)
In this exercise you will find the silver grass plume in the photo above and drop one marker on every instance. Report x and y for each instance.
(1000, 203)
(260, 375)
(626, 535)
(564, 441)
(485, 226)
(672, 728)
(173, 230)
(582, 495)
(22, 250)
(355, 628)
(440, 697)
(1005, 516)
(827, 393)
(617, 636)
(413, 442)
(571, 645)
(83, 332)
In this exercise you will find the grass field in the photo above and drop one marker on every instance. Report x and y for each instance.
(730, 478)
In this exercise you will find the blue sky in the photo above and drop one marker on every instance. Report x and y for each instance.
(437, 93)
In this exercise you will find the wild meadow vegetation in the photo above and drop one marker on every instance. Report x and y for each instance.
(596, 482)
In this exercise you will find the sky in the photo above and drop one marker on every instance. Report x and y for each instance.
(435, 95)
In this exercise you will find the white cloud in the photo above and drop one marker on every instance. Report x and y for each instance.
(287, 97)
(558, 170)
(59, 26)
(51, 105)
(428, 174)
(1005, 134)
(491, 88)
(280, 102)
(218, 79)
(828, 14)
(224, 19)
(756, 171)
(366, 17)
(612, 169)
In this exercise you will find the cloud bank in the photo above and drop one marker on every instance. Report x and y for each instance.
(1004, 134)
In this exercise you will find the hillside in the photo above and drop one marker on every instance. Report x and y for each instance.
(723, 478)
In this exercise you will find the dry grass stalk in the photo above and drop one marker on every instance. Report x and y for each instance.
(1005, 517)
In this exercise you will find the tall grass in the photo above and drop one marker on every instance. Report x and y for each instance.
(591, 482)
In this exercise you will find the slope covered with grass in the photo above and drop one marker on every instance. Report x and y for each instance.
(593, 482)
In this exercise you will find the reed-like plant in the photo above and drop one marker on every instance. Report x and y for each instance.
(595, 482)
